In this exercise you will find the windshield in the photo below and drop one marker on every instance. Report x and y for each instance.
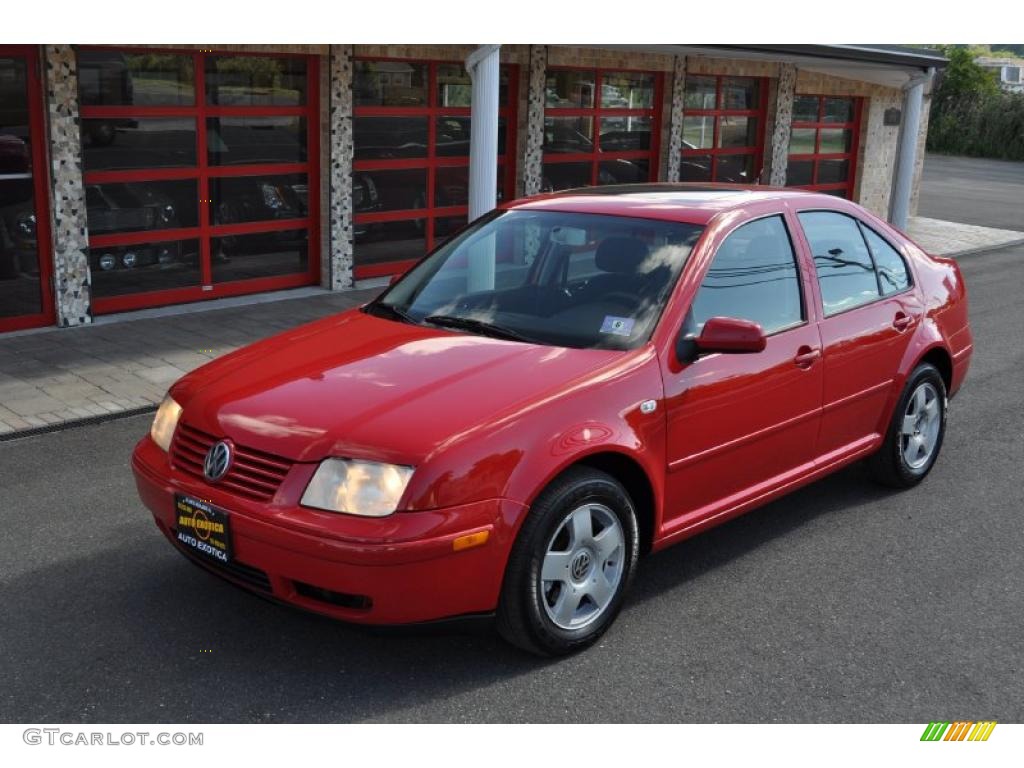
(568, 279)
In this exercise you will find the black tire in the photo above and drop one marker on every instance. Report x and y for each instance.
(889, 466)
(522, 618)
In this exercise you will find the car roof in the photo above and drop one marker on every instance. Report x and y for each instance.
(689, 203)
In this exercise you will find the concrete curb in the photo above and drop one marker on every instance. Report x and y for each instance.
(984, 249)
(60, 426)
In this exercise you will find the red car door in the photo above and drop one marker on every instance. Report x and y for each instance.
(740, 424)
(868, 316)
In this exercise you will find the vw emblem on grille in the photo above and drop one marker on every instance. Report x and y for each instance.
(580, 565)
(218, 461)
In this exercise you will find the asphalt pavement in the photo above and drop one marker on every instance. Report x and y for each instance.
(972, 190)
(843, 602)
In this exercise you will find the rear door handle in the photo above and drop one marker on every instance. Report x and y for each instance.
(806, 356)
(902, 321)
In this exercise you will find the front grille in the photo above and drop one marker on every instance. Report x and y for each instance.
(253, 474)
(245, 574)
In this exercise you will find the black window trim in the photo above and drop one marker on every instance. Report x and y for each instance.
(796, 261)
(857, 220)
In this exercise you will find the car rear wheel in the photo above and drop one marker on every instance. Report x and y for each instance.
(570, 565)
(915, 434)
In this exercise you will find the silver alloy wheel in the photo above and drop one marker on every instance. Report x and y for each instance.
(583, 566)
(919, 433)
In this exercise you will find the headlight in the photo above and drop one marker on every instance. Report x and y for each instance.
(164, 422)
(357, 487)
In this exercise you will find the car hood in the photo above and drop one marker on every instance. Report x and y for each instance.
(362, 386)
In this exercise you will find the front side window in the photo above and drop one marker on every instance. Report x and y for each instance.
(753, 277)
(566, 279)
(845, 270)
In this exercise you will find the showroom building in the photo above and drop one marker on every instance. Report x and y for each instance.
(138, 177)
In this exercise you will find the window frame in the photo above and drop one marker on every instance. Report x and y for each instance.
(432, 161)
(37, 126)
(874, 264)
(202, 172)
(805, 315)
(595, 156)
(852, 156)
(760, 113)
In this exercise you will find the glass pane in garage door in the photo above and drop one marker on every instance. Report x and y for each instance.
(114, 78)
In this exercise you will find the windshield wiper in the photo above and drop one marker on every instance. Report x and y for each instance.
(479, 326)
(389, 310)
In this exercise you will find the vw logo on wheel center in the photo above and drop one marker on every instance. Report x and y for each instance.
(218, 461)
(580, 565)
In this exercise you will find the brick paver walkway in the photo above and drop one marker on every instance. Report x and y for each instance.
(63, 375)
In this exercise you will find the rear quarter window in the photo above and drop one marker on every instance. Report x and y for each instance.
(893, 275)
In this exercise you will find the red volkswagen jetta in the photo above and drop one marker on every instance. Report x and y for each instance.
(568, 383)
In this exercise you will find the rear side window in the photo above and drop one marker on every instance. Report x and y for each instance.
(892, 270)
(846, 273)
(752, 277)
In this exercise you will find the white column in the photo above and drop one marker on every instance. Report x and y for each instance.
(903, 182)
(482, 66)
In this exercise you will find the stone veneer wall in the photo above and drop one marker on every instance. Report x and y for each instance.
(70, 236)
(341, 148)
(777, 158)
(674, 96)
(531, 170)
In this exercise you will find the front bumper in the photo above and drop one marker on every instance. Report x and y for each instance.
(394, 570)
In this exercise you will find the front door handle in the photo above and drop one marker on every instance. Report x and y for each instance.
(902, 321)
(806, 356)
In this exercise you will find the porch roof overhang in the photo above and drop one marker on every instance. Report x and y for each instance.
(886, 65)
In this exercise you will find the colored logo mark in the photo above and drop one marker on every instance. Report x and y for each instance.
(959, 731)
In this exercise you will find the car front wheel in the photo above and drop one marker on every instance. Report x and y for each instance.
(570, 565)
(915, 434)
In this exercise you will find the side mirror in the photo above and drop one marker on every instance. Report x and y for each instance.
(728, 335)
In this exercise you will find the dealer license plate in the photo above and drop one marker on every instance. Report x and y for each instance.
(202, 528)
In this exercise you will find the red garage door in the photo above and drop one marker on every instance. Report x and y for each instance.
(600, 127)
(823, 144)
(410, 179)
(200, 174)
(25, 256)
(723, 129)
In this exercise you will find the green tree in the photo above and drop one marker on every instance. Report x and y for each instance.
(963, 77)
